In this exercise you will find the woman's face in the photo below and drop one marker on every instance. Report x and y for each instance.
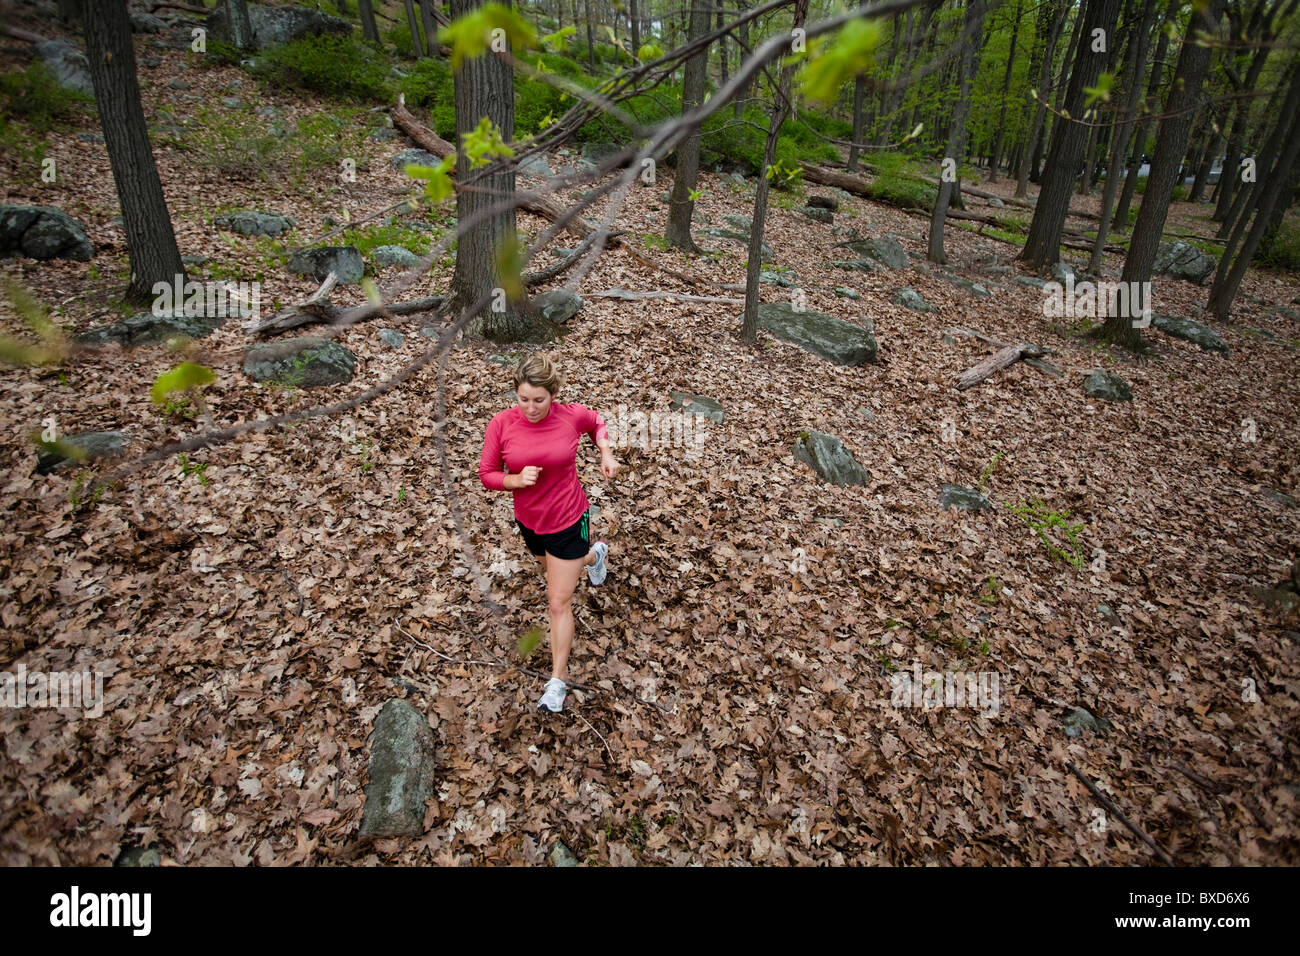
(534, 401)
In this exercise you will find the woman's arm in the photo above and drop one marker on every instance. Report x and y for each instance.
(489, 464)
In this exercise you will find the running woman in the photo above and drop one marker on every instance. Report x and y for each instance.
(537, 440)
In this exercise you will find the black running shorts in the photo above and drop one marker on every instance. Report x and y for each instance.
(570, 544)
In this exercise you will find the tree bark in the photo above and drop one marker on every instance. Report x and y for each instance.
(413, 24)
(996, 158)
(1274, 176)
(957, 127)
(1052, 13)
(150, 240)
(484, 87)
(1144, 123)
(1042, 247)
(686, 169)
(1171, 142)
(859, 92)
(241, 28)
(430, 24)
(1119, 146)
(369, 29)
(780, 112)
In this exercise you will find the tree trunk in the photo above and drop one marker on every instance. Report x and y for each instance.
(859, 92)
(591, 39)
(483, 86)
(1144, 124)
(241, 28)
(1042, 247)
(686, 169)
(1052, 14)
(743, 93)
(1274, 175)
(722, 47)
(413, 23)
(430, 24)
(780, 112)
(996, 158)
(1213, 144)
(1119, 146)
(1171, 142)
(634, 20)
(150, 241)
(957, 127)
(369, 29)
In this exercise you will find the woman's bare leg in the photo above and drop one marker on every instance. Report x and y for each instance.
(561, 579)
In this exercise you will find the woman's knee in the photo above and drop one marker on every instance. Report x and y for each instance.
(560, 604)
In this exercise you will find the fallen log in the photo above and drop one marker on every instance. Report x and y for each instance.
(316, 309)
(660, 294)
(996, 362)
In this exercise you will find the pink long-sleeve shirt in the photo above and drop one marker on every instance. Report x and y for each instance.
(557, 500)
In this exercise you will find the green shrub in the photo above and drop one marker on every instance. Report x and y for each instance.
(369, 237)
(1280, 247)
(1179, 194)
(35, 97)
(343, 67)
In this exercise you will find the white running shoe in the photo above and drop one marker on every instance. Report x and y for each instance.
(596, 572)
(553, 699)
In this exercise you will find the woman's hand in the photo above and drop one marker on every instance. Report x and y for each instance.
(527, 478)
(608, 466)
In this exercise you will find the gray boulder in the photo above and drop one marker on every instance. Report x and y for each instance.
(739, 223)
(1180, 260)
(306, 361)
(68, 65)
(1032, 281)
(561, 855)
(139, 856)
(558, 305)
(974, 288)
(276, 26)
(911, 299)
(42, 232)
(344, 261)
(1106, 386)
(817, 214)
(857, 265)
(824, 202)
(381, 134)
(249, 223)
(741, 237)
(147, 328)
(416, 157)
(536, 165)
(1191, 331)
(392, 338)
(394, 256)
(785, 280)
(962, 499)
(1062, 273)
(142, 22)
(847, 293)
(700, 405)
(1078, 720)
(403, 753)
(74, 448)
(833, 339)
(885, 250)
(829, 458)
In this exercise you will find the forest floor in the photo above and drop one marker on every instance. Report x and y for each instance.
(251, 618)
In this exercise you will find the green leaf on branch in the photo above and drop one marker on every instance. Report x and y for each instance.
(1101, 91)
(483, 143)
(437, 179)
(557, 41)
(510, 266)
(474, 33)
(648, 52)
(184, 376)
(531, 640)
(853, 52)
